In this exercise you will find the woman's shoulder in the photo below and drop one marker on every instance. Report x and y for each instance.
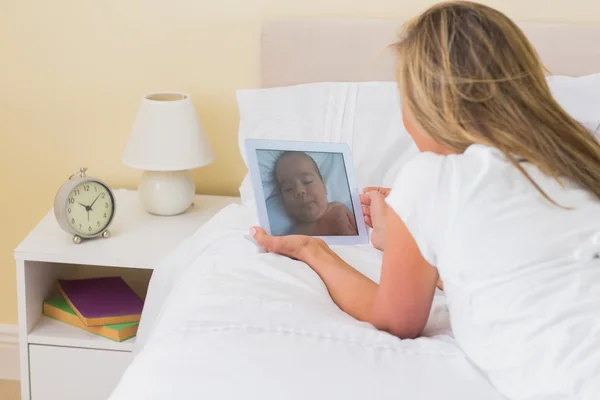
(426, 166)
(444, 177)
(423, 163)
(423, 168)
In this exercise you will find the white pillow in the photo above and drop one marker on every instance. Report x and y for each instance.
(365, 115)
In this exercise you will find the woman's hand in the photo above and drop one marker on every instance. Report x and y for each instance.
(366, 203)
(299, 247)
(375, 211)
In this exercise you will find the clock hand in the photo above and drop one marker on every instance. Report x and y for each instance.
(92, 205)
(87, 208)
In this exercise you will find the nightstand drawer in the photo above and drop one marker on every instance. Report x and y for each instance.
(67, 373)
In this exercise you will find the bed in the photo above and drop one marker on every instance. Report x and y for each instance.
(224, 320)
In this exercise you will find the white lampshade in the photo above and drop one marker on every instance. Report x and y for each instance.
(167, 135)
(167, 141)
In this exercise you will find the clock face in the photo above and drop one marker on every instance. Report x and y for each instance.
(89, 208)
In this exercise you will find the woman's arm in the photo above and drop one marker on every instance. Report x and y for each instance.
(407, 284)
(400, 304)
(353, 292)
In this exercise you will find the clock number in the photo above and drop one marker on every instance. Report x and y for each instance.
(89, 228)
(71, 200)
(72, 220)
(96, 189)
(80, 226)
(98, 223)
(102, 195)
(105, 216)
(86, 188)
(105, 205)
(76, 191)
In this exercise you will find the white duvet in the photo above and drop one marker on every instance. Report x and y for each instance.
(224, 320)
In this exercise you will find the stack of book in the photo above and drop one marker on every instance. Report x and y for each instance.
(105, 306)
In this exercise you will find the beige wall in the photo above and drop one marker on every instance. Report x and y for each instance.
(72, 73)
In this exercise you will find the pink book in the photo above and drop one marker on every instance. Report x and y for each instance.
(101, 301)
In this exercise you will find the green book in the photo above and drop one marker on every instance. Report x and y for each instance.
(59, 309)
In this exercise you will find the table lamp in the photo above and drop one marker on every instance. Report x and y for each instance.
(167, 141)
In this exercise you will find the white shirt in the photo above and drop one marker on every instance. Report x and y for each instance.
(520, 274)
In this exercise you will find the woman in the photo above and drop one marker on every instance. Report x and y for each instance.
(502, 203)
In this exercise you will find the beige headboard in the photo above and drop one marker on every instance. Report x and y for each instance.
(296, 51)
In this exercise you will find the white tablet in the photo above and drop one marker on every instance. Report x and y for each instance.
(306, 188)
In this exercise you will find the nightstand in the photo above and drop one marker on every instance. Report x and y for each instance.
(59, 361)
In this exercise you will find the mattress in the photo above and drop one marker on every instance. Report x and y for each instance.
(224, 320)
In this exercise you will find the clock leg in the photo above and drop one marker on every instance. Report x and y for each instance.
(106, 234)
(76, 239)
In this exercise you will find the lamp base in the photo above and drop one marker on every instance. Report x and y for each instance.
(167, 192)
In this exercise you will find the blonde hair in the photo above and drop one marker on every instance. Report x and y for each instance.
(469, 75)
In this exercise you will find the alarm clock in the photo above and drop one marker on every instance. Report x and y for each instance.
(84, 207)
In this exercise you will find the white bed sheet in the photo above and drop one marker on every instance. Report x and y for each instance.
(224, 320)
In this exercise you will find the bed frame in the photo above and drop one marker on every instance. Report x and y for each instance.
(296, 51)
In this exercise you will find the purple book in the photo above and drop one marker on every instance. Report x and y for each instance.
(102, 301)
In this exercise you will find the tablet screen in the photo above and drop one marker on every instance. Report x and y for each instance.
(307, 192)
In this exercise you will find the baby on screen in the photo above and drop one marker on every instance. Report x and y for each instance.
(304, 195)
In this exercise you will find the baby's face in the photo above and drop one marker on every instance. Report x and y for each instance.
(304, 193)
